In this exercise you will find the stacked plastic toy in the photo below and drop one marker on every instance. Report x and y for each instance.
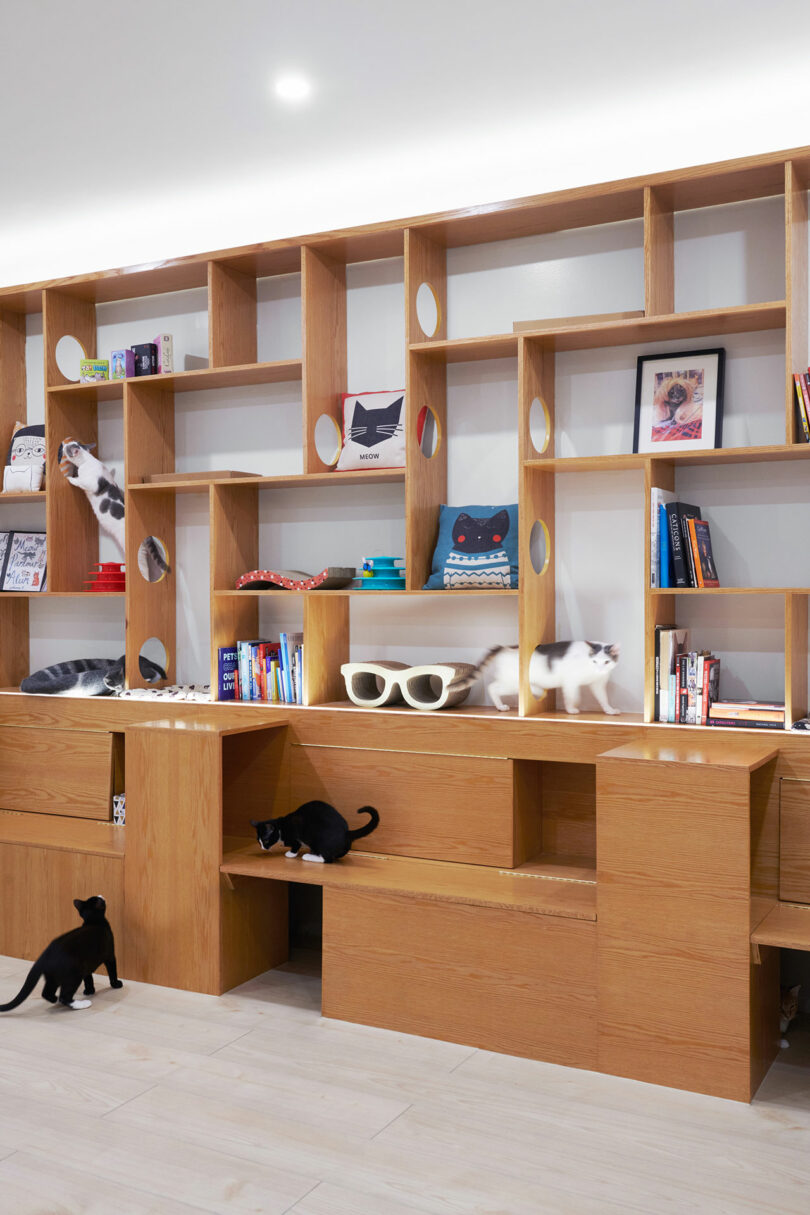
(383, 574)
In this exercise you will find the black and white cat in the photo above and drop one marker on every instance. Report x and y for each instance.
(316, 826)
(87, 677)
(83, 470)
(72, 958)
(569, 665)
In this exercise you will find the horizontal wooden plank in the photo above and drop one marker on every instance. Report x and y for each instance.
(475, 885)
(786, 925)
(362, 476)
(62, 833)
(188, 381)
(623, 461)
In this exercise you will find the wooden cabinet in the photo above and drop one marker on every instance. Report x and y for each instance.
(68, 772)
(794, 841)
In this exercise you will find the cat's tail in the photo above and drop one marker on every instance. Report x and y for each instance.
(466, 681)
(370, 825)
(155, 552)
(34, 975)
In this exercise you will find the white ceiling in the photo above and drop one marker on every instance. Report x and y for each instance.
(157, 116)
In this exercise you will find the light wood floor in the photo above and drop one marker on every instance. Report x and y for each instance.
(161, 1101)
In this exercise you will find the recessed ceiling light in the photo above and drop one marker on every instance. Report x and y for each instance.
(292, 87)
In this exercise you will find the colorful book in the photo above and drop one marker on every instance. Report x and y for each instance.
(658, 498)
(227, 666)
(701, 543)
(23, 561)
(664, 549)
(803, 406)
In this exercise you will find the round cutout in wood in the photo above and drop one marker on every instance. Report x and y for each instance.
(428, 432)
(539, 547)
(69, 354)
(539, 425)
(328, 439)
(153, 660)
(428, 310)
(153, 559)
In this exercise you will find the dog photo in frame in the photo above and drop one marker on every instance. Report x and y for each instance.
(679, 401)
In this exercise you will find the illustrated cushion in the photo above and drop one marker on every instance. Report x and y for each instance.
(25, 463)
(477, 547)
(373, 430)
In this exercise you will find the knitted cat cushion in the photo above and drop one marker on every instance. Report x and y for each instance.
(477, 547)
(373, 430)
(25, 464)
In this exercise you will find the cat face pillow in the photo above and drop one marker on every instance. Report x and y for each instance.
(477, 547)
(373, 430)
(25, 465)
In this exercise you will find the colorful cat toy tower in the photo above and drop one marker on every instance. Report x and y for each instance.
(383, 574)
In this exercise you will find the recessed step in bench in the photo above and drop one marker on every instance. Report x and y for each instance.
(542, 887)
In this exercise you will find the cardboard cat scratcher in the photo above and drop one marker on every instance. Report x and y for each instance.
(370, 685)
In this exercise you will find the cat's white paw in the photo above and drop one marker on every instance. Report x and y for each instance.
(571, 710)
(310, 856)
(783, 1043)
(80, 1004)
(292, 854)
(609, 709)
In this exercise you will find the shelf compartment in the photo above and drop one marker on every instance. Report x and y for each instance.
(436, 881)
(786, 925)
(278, 372)
(359, 591)
(62, 594)
(729, 590)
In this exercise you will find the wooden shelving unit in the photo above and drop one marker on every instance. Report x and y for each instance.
(230, 280)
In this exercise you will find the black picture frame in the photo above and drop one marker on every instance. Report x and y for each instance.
(649, 431)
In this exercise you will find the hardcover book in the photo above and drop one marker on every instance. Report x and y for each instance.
(227, 666)
(24, 559)
(679, 514)
(701, 542)
(145, 358)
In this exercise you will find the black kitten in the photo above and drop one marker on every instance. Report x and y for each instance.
(73, 957)
(480, 535)
(316, 826)
(372, 426)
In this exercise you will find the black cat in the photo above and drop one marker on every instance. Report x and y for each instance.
(73, 957)
(372, 426)
(316, 826)
(480, 535)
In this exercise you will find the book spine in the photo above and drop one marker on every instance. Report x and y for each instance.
(706, 666)
(678, 666)
(657, 669)
(804, 405)
(655, 537)
(746, 725)
(672, 698)
(676, 545)
(226, 667)
(695, 552)
(699, 692)
(300, 685)
(243, 673)
(663, 678)
(285, 667)
(664, 556)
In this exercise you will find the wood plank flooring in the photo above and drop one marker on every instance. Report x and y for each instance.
(160, 1101)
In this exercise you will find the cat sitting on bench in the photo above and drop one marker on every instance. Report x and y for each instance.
(316, 826)
(72, 958)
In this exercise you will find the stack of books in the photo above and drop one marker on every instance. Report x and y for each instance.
(272, 671)
(687, 682)
(749, 714)
(680, 544)
(801, 380)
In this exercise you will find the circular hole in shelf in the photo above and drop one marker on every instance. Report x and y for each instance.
(327, 439)
(153, 660)
(428, 432)
(428, 310)
(69, 353)
(153, 559)
(539, 547)
(539, 425)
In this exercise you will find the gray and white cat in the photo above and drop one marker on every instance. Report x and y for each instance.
(83, 470)
(569, 665)
(87, 677)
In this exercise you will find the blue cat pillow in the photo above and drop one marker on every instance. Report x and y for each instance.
(477, 547)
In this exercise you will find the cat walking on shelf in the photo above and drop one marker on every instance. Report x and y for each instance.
(72, 958)
(567, 665)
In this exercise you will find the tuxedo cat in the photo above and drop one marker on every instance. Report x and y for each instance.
(87, 677)
(72, 958)
(316, 826)
(569, 665)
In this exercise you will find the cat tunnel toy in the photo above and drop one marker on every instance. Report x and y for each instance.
(371, 685)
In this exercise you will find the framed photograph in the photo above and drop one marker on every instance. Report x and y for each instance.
(679, 401)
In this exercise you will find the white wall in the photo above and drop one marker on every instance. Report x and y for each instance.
(724, 256)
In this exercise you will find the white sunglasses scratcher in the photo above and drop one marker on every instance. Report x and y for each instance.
(370, 685)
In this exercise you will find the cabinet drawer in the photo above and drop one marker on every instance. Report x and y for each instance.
(437, 807)
(56, 771)
(794, 840)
